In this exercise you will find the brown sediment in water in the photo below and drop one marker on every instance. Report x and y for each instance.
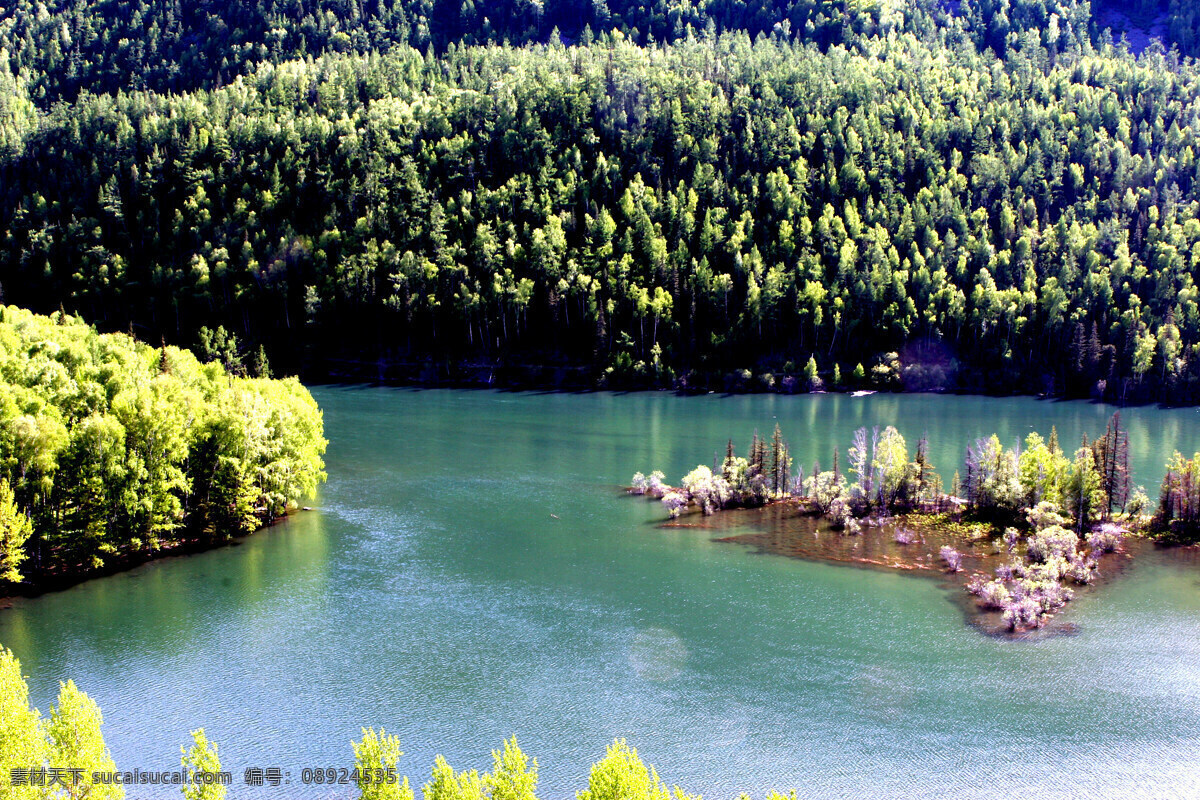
(786, 529)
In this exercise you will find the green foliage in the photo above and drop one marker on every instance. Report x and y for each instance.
(1042, 472)
(892, 466)
(445, 784)
(513, 777)
(75, 740)
(153, 44)
(878, 185)
(106, 454)
(992, 485)
(1083, 493)
(1051, 542)
(202, 757)
(812, 380)
(1139, 503)
(621, 775)
(884, 477)
(22, 742)
(823, 489)
(375, 758)
(15, 530)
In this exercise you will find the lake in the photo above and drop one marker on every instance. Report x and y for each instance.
(473, 572)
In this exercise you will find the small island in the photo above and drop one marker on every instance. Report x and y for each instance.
(1021, 528)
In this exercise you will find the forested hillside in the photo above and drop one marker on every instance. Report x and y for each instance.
(164, 45)
(990, 199)
(112, 450)
(100, 46)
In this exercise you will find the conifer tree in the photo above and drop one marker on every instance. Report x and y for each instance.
(778, 461)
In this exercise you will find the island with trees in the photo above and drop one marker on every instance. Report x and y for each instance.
(113, 451)
(1048, 517)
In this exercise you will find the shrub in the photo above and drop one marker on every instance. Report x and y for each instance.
(675, 501)
(823, 489)
(952, 557)
(1106, 538)
(1022, 614)
(1082, 570)
(1139, 503)
(839, 513)
(1011, 538)
(994, 594)
(1053, 541)
(1045, 515)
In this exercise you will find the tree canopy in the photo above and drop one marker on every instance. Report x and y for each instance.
(111, 448)
(995, 199)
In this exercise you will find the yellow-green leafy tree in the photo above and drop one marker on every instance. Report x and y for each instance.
(375, 760)
(22, 742)
(201, 759)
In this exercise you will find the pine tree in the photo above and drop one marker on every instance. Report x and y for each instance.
(778, 459)
(785, 470)
(757, 456)
(260, 367)
(1112, 460)
(925, 476)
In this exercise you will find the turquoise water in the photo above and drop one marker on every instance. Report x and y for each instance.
(434, 594)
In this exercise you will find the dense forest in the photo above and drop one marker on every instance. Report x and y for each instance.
(989, 197)
(111, 449)
(74, 46)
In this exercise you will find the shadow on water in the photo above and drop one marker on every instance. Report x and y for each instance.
(783, 530)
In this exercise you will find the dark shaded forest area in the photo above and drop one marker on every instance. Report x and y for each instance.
(983, 196)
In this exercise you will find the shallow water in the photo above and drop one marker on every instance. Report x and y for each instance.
(434, 594)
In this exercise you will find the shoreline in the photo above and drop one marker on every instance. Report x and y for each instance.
(550, 387)
(579, 378)
(58, 581)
